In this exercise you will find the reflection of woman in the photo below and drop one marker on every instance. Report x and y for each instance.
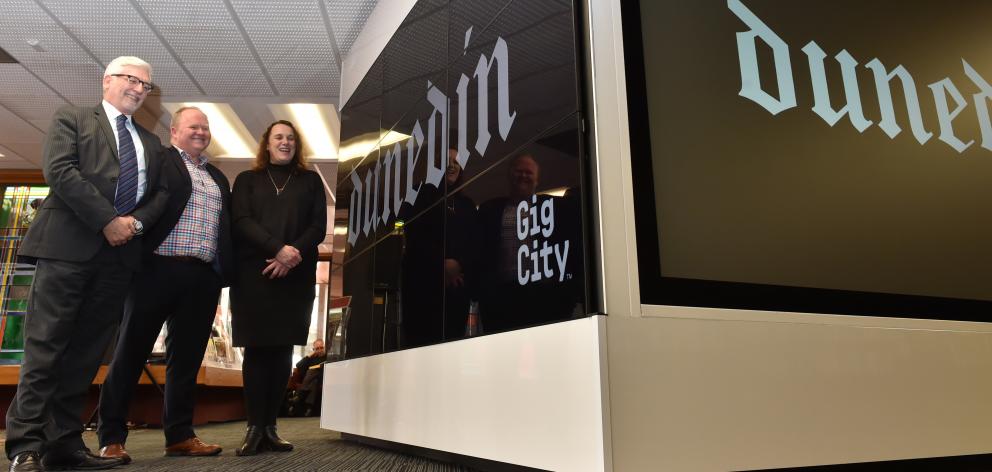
(459, 222)
(280, 216)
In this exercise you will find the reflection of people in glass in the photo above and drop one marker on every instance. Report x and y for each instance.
(504, 302)
(437, 255)
(422, 271)
(459, 222)
(280, 216)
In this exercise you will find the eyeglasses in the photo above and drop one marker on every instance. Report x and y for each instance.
(132, 80)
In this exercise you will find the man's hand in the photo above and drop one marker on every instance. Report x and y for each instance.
(275, 269)
(289, 256)
(119, 231)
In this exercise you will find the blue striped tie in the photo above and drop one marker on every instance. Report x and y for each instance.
(127, 181)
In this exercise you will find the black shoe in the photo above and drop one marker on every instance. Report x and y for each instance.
(79, 460)
(275, 442)
(252, 442)
(26, 462)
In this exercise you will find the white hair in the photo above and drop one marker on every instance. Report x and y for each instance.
(117, 66)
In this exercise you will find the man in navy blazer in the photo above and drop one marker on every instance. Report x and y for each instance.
(189, 257)
(102, 169)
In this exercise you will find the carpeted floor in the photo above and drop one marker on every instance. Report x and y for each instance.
(316, 449)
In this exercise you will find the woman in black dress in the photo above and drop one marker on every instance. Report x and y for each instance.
(280, 216)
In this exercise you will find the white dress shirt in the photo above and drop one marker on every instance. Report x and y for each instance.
(112, 114)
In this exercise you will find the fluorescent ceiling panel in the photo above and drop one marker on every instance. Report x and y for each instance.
(361, 145)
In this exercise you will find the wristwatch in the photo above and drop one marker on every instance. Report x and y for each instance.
(138, 227)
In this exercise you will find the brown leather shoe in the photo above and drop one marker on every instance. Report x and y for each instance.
(115, 451)
(193, 447)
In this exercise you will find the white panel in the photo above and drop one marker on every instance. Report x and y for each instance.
(531, 397)
(347, 18)
(279, 30)
(381, 24)
(112, 28)
(207, 40)
(740, 395)
(612, 194)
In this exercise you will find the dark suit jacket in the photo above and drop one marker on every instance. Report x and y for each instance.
(80, 165)
(180, 187)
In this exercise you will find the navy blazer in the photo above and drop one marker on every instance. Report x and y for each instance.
(180, 187)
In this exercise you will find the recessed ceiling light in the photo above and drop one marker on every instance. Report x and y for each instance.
(361, 145)
(311, 120)
(555, 192)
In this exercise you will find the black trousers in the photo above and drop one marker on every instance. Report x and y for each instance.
(183, 295)
(266, 371)
(73, 311)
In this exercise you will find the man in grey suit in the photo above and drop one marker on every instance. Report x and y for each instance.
(102, 169)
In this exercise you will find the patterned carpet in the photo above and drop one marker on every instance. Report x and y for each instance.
(316, 449)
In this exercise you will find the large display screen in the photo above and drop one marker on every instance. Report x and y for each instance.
(826, 156)
(461, 213)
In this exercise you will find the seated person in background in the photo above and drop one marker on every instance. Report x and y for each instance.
(308, 382)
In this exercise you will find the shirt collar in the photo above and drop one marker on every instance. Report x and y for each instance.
(199, 162)
(112, 112)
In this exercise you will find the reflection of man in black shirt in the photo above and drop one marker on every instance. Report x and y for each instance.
(504, 302)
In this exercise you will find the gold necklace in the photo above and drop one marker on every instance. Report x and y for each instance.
(284, 184)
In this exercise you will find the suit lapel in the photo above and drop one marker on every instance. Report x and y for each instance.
(177, 161)
(104, 123)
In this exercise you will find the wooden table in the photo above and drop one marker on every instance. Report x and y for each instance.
(219, 395)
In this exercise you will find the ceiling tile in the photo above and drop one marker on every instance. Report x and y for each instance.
(25, 96)
(207, 40)
(28, 152)
(293, 45)
(61, 62)
(16, 130)
(131, 37)
(347, 18)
